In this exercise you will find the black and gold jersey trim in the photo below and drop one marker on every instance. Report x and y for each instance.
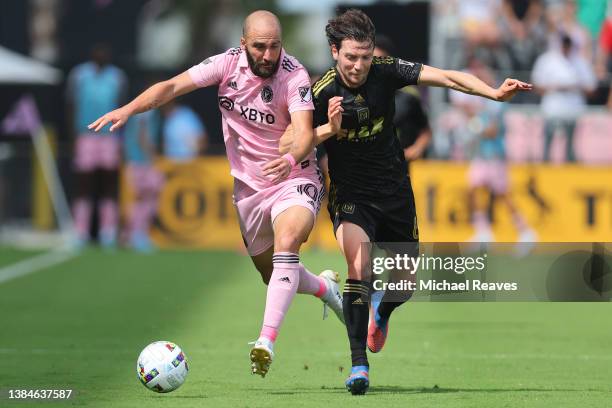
(325, 80)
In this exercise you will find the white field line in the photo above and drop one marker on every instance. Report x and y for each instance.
(35, 264)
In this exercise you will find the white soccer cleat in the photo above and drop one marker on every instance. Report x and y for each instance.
(261, 356)
(332, 297)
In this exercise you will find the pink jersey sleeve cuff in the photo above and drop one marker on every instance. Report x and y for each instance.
(301, 108)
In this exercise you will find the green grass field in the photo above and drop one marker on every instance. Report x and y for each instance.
(82, 324)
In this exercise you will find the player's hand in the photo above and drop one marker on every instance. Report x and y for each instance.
(118, 118)
(286, 140)
(277, 169)
(334, 113)
(510, 87)
(413, 152)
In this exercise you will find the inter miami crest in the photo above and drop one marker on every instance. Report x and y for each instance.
(305, 93)
(266, 94)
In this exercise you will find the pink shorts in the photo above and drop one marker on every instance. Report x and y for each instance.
(94, 151)
(489, 173)
(144, 178)
(257, 210)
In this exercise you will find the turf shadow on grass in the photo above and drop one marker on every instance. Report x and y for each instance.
(395, 389)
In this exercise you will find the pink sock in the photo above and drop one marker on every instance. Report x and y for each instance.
(82, 216)
(281, 290)
(109, 215)
(310, 283)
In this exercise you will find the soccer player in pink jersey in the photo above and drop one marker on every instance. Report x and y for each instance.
(261, 91)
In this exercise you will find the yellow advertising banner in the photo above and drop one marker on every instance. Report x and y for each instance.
(568, 203)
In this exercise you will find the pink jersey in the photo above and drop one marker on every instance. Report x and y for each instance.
(256, 111)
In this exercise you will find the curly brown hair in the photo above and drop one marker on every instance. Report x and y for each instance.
(353, 24)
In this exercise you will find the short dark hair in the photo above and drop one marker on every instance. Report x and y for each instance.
(353, 24)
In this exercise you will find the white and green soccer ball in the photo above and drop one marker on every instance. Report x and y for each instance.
(162, 366)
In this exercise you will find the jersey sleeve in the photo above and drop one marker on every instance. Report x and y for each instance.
(398, 72)
(320, 105)
(320, 112)
(299, 93)
(210, 71)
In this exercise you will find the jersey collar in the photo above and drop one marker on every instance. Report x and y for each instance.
(242, 60)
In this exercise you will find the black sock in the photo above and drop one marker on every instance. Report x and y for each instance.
(355, 302)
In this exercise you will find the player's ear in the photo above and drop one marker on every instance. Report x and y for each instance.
(242, 43)
(334, 52)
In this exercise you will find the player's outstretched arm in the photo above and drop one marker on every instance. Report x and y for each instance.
(152, 98)
(470, 84)
(321, 133)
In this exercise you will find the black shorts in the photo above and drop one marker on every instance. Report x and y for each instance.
(389, 219)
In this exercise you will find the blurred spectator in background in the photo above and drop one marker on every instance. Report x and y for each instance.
(604, 56)
(141, 142)
(479, 21)
(563, 21)
(488, 168)
(183, 136)
(481, 31)
(411, 122)
(604, 60)
(523, 31)
(563, 78)
(93, 88)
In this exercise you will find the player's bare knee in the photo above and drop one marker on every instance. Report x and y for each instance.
(289, 241)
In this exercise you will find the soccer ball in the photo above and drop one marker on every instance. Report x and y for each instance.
(162, 366)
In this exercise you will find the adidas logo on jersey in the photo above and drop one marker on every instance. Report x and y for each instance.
(359, 99)
(233, 85)
(358, 301)
(285, 279)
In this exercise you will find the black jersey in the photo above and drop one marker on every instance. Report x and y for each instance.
(368, 163)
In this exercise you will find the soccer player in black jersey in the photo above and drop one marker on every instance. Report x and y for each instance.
(370, 197)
